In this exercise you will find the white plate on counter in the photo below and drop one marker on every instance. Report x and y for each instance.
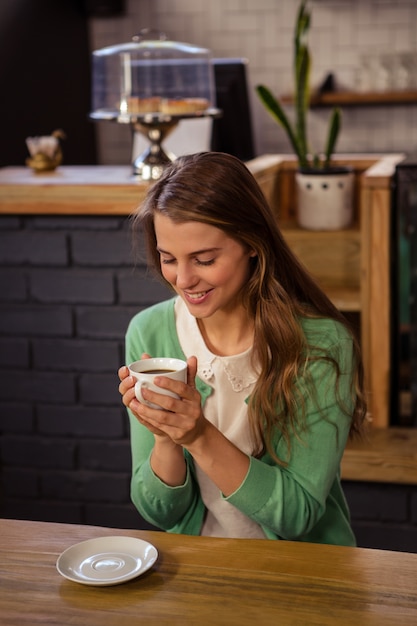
(106, 560)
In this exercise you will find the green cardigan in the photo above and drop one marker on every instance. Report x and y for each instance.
(302, 501)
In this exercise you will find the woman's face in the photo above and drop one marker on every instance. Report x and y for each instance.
(207, 268)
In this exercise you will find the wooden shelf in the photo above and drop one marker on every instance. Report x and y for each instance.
(338, 270)
(353, 98)
(346, 300)
(385, 455)
(352, 265)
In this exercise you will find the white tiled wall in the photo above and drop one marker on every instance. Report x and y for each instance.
(261, 30)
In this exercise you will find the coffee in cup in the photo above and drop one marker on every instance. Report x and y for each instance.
(146, 370)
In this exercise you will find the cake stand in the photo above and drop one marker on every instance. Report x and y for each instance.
(155, 127)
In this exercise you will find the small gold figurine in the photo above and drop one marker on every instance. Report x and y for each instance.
(45, 152)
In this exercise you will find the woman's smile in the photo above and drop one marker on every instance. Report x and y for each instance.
(196, 297)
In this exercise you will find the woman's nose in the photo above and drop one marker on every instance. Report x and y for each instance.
(185, 276)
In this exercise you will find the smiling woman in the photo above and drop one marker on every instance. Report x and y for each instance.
(252, 445)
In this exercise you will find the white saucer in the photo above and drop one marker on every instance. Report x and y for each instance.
(106, 560)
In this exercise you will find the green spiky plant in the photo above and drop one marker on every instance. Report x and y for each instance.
(297, 132)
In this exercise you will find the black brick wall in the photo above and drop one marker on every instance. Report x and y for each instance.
(384, 516)
(67, 292)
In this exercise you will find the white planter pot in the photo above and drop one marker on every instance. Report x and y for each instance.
(325, 200)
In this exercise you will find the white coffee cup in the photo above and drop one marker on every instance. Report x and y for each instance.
(147, 369)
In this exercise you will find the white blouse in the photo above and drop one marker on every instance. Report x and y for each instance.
(232, 379)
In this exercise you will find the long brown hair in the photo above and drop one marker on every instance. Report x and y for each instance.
(218, 189)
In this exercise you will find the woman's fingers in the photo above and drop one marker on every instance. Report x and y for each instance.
(123, 372)
(191, 371)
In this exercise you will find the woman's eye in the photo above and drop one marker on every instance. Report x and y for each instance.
(168, 261)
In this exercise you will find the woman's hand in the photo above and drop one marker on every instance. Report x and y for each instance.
(176, 423)
(127, 391)
(182, 419)
(179, 424)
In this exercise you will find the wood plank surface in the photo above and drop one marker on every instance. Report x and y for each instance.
(346, 299)
(387, 455)
(206, 581)
(377, 303)
(356, 98)
(75, 190)
(333, 257)
(380, 173)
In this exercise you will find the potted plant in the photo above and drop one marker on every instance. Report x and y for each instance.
(324, 191)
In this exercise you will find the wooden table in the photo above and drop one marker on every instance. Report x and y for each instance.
(206, 581)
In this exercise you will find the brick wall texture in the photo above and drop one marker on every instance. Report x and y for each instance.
(68, 288)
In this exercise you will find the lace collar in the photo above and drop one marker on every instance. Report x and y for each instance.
(237, 367)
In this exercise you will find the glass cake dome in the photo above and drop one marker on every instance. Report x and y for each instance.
(151, 75)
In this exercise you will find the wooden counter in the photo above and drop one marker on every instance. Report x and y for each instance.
(207, 581)
(71, 190)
